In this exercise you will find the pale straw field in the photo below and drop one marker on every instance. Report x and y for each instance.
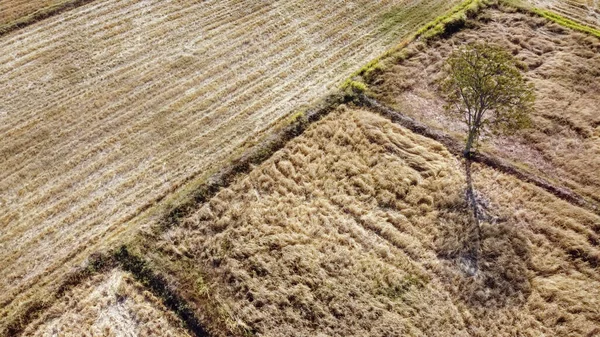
(584, 11)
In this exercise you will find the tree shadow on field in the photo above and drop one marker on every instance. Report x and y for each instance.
(488, 273)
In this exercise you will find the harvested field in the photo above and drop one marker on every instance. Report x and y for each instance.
(15, 14)
(13, 10)
(584, 11)
(111, 106)
(359, 228)
(563, 146)
(113, 304)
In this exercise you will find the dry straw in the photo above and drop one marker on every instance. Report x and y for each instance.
(360, 227)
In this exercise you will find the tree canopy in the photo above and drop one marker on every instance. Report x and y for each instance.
(487, 91)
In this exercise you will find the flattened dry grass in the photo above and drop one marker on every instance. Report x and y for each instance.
(359, 227)
(563, 269)
(110, 304)
(564, 144)
(289, 243)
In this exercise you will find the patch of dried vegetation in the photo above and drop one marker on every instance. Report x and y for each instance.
(359, 227)
(110, 304)
(564, 143)
(562, 243)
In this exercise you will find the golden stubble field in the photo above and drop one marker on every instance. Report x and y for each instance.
(111, 106)
(359, 228)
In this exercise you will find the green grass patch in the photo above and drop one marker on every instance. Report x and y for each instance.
(351, 86)
(453, 21)
(445, 24)
(565, 22)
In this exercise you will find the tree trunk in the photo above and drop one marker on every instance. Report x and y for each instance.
(475, 232)
(469, 145)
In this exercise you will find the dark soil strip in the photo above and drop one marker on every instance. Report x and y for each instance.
(456, 148)
(101, 263)
(40, 15)
(158, 286)
(98, 263)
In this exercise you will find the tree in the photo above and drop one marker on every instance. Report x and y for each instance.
(486, 90)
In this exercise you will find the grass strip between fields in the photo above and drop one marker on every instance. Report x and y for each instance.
(565, 22)
(97, 263)
(257, 154)
(104, 262)
(443, 25)
(158, 286)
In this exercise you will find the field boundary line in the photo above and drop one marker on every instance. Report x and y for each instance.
(566, 22)
(100, 263)
(97, 263)
(570, 23)
(455, 147)
(158, 285)
(256, 154)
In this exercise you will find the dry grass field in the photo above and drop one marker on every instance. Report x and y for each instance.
(112, 304)
(111, 106)
(564, 143)
(359, 228)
